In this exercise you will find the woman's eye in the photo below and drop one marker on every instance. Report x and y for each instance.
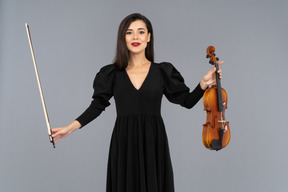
(142, 32)
(128, 33)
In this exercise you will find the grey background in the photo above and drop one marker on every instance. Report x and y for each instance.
(74, 39)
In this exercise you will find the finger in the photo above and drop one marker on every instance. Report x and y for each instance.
(220, 73)
(56, 140)
(55, 135)
(49, 134)
(220, 63)
(55, 132)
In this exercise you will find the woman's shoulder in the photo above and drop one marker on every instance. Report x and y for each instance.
(168, 71)
(106, 69)
(165, 66)
(106, 72)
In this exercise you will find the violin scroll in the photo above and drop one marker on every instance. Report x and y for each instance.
(211, 54)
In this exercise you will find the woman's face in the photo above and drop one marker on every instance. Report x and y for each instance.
(137, 37)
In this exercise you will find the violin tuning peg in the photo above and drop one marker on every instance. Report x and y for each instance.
(214, 54)
(211, 62)
(217, 58)
(208, 56)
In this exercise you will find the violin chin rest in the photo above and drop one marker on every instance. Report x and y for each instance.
(216, 145)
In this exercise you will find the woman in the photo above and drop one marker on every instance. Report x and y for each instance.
(139, 159)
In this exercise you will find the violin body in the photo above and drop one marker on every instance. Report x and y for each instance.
(214, 117)
(216, 130)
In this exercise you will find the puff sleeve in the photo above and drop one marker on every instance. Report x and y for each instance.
(175, 89)
(103, 91)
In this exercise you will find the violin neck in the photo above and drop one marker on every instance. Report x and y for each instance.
(219, 90)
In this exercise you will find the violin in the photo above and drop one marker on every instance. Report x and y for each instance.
(216, 131)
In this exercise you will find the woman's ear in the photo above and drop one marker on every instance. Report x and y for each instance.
(149, 37)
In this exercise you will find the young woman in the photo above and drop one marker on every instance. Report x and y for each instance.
(139, 159)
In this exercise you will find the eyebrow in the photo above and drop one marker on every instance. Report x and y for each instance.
(137, 29)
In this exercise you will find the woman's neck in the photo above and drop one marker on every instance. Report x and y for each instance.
(137, 60)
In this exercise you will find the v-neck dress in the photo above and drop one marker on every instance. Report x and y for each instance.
(139, 158)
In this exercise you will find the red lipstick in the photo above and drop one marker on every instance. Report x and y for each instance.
(135, 44)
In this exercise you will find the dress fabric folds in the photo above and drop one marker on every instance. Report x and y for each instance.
(139, 158)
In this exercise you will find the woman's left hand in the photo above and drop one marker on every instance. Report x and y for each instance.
(209, 78)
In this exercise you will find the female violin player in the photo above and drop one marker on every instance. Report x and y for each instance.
(139, 158)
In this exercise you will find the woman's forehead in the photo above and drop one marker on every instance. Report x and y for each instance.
(137, 25)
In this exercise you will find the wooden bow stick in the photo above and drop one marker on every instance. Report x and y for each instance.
(39, 86)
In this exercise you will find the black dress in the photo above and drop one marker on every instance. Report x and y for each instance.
(139, 159)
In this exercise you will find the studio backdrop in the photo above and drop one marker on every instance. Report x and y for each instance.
(73, 39)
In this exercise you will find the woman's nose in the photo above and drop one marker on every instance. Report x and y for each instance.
(135, 36)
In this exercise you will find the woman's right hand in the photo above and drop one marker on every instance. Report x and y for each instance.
(60, 132)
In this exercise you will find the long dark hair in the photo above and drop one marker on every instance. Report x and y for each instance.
(122, 53)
